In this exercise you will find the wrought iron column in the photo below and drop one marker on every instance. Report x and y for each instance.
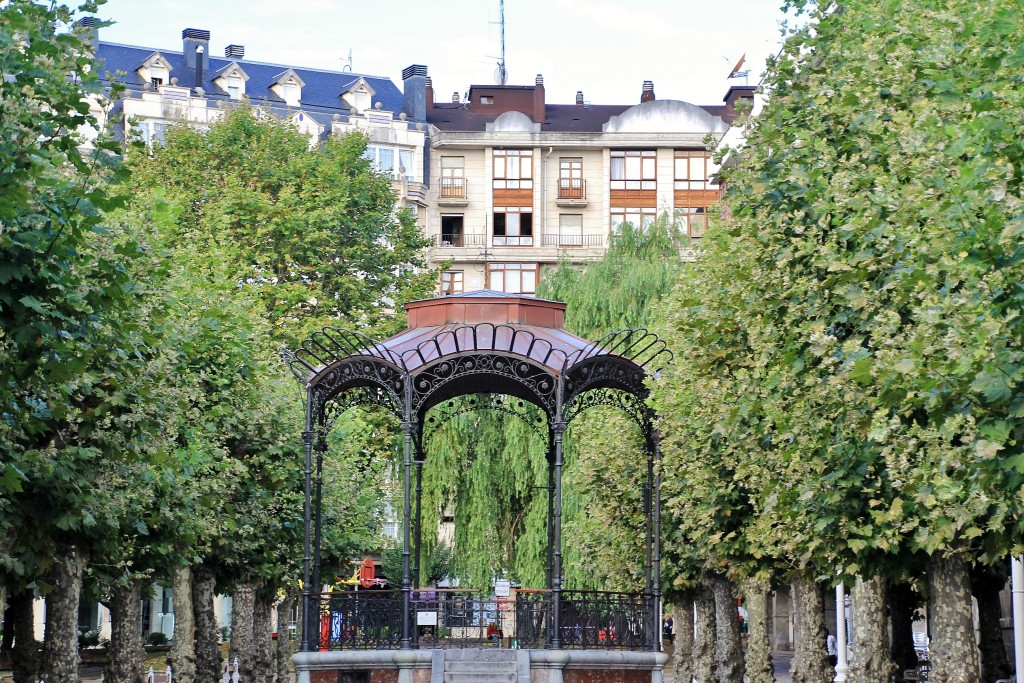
(556, 578)
(320, 448)
(408, 427)
(418, 540)
(656, 559)
(551, 512)
(307, 439)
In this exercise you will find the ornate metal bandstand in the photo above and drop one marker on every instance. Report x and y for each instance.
(477, 343)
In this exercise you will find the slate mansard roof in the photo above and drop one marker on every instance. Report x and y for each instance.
(320, 94)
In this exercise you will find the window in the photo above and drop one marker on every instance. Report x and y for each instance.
(513, 278)
(633, 170)
(638, 217)
(384, 158)
(570, 179)
(513, 169)
(453, 185)
(451, 230)
(156, 82)
(692, 169)
(513, 227)
(390, 530)
(570, 230)
(692, 220)
(486, 99)
(451, 282)
(150, 132)
(234, 88)
(290, 91)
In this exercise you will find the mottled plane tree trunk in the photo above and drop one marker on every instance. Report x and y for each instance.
(25, 656)
(126, 653)
(243, 642)
(60, 644)
(759, 647)
(207, 636)
(183, 645)
(810, 656)
(954, 655)
(704, 634)
(284, 635)
(873, 663)
(728, 649)
(263, 636)
(682, 642)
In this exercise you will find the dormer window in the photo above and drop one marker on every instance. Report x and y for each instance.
(288, 86)
(291, 93)
(234, 88)
(155, 71)
(359, 96)
(231, 79)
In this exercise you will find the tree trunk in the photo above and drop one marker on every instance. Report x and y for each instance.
(873, 664)
(284, 635)
(207, 653)
(986, 585)
(728, 650)
(954, 656)
(682, 642)
(25, 656)
(810, 656)
(263, 636)
(243, 642)
(183, 646)
(759, 647)
(60, 643)
(901, 615)
(704, 634)
(126, 653)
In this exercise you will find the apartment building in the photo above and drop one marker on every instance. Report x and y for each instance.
(163, 86)
(516, 183)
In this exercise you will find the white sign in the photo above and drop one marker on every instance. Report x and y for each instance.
(424, 618)
(502, 587)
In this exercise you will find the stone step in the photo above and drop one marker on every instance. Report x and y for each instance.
(480, 677)
(480, 654)
(469, 666)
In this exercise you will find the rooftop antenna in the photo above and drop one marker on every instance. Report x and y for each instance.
(348, 62)
(500, 74)
(736, 73)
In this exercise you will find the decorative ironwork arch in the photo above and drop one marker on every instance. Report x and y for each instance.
(435, 422)
(635, 407)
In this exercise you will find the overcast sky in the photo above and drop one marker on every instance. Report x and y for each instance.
(606, 48)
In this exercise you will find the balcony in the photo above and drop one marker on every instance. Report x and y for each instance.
(453, 192)
(453, 240)
(575, 241)
(572, 192)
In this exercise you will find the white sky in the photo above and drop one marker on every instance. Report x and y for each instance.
(606, 48)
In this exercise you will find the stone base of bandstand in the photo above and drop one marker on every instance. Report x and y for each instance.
(427, 666)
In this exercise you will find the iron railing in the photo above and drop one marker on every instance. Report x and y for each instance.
(459, 240)
(572, 188)
(453, 188)
(571, 241)
(445, 618)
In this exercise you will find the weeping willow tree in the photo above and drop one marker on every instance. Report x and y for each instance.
(606, 463)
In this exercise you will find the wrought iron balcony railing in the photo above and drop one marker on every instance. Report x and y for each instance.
(459, 240)
(574, 240)
(572, 188)
(453, 188)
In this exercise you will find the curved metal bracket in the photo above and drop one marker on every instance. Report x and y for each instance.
(508, 405)
(632, 405)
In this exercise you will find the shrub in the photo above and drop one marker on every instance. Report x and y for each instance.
(157, 638)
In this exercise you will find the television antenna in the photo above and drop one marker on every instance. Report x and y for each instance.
(348, 62)
(501, 73)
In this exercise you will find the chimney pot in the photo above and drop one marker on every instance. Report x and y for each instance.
(540, 80)
(579, 98)
(648, 92)
(455, 97)
(234, 51)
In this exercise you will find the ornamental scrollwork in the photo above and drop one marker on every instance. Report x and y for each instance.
(632, 405)
(536, 380)
(515, 407)
(604, 371)
(383, 381)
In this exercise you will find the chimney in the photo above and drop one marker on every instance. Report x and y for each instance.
(538, 100)
(88, 28)
(648, 93)
(234, 51)
(200, 58)
(737, 95)
(414, 102)
(429, 87)
(579, 98)
(192, 38)
(455, 97)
